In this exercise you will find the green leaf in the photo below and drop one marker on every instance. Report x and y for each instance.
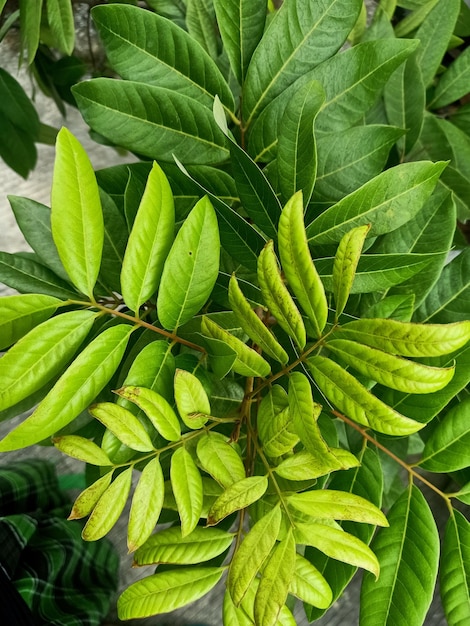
(114, 244)
(236, 497)
(156, 408)
(123, 424)
(408, 553)
(345, 265)
(82, 449)
(393, 307)
(191, 268)
(277, 297)
(219, 459)
(241, 25)
(252, 554)
(337, 505)
(76, 216)
(355, 401)
(191, 399)
(299, 270)
(275, 428)
(454, 573)
(30, 26)
(276, 578)
(146, 505)
(187, 488)
(109, 507)
(74, 391)
(20, 314)
(309, 585)
(296, 153)
(144, 47)
(200, 22)
(60, 20)
(447, 449)
(16, 106)
(169, 546)
(304, 465)
(86, 501)
(298, 37)
(167, 591)
(390, 370)
(41, 354)
(387, 201)
(149, 242)
(153, 121)
(17, 148)
(231, 614)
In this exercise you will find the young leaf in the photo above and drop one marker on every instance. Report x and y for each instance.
(76, 216)
(187, 488)
(82, 449)
(167, 591)
(109, 507)
(338, 505)
(345, 264)
(146, 506)
(219, 459)
(123, 424)
(298, 266)
(233, 615)
(20, 314)
(454, 573)
(74, 391)
(60, 20)
(169, 546)
(86, 501)
(191, 399)
(275, 423)
(238, 496)
(191, 268)
(304, 465)
(149, 242)
(408, 553)
(252, 554)
(309, 585)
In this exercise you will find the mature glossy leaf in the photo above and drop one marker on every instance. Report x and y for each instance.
(60, 21)
(338, 505)
(448, 449)
(149, 242)
(347, 257)
(454, 573)
(355, 401)
(275, 428)
(191, 268)
(201, 25)
(406, 338)
(299, 269)
(435, 33)
(16, 106)
(153, 121)
(86, 501)
(387, 201)
(241, 25)
(253, 325)
(191, 399)
(74, 391)
(392, 307)
(82, 449)
(187, 488)
(109, 507)
(236, 497)
(167, 591)
(252, 554)
(30, 25)
(169, 546)
(20, 314)
(296, 152)
(299, 37)
(219, 459)
(76, 216)
(169, 9)
(123, 424)
(309, 585)
(408, 553)
(145, 47)
(41, 354)
(146, 506)
(17, 148)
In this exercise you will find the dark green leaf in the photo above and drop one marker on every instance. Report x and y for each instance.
(60, 20)
(187, 488)
(201, 25)
(15, 104)
(455, 574)
(30, 25)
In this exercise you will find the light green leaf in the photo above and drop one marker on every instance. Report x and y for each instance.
(146, 505)
(191, 399)
(169, 546)
(60, 20)
(20, 314)
(153, 121)
(309, 585)
(299, 269)
(448, 448)
(454, 573)
(86, 501)
(187, 488)
(30, 26)
(167, 591)
(219, 459)
(75, 389)
(238, 496)
(387, 201)
(232, 615)
(82, 449)
(149, 241)
(123, 424)
(76, 216)
(252, 554)
(109, 507)
(191, 268)
(114, 244)
(41, 354)
(345, 264)
(355, 401)
(145, 47)
(275, 428)
(453, 84)
(408, 553)
(337, 505)
(304, 465)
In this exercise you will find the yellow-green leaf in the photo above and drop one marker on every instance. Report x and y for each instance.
(123, 424)
(187, 488)
(146, 506)
(86, 501)
(309, 585)
(82, 449)
(345, 264)
(219, 459)
(191, 399)
(238, 496)
(337, 505)
(20, 314)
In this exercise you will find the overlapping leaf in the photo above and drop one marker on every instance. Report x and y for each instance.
(20, 314)
(146, 506)
(454, 573)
